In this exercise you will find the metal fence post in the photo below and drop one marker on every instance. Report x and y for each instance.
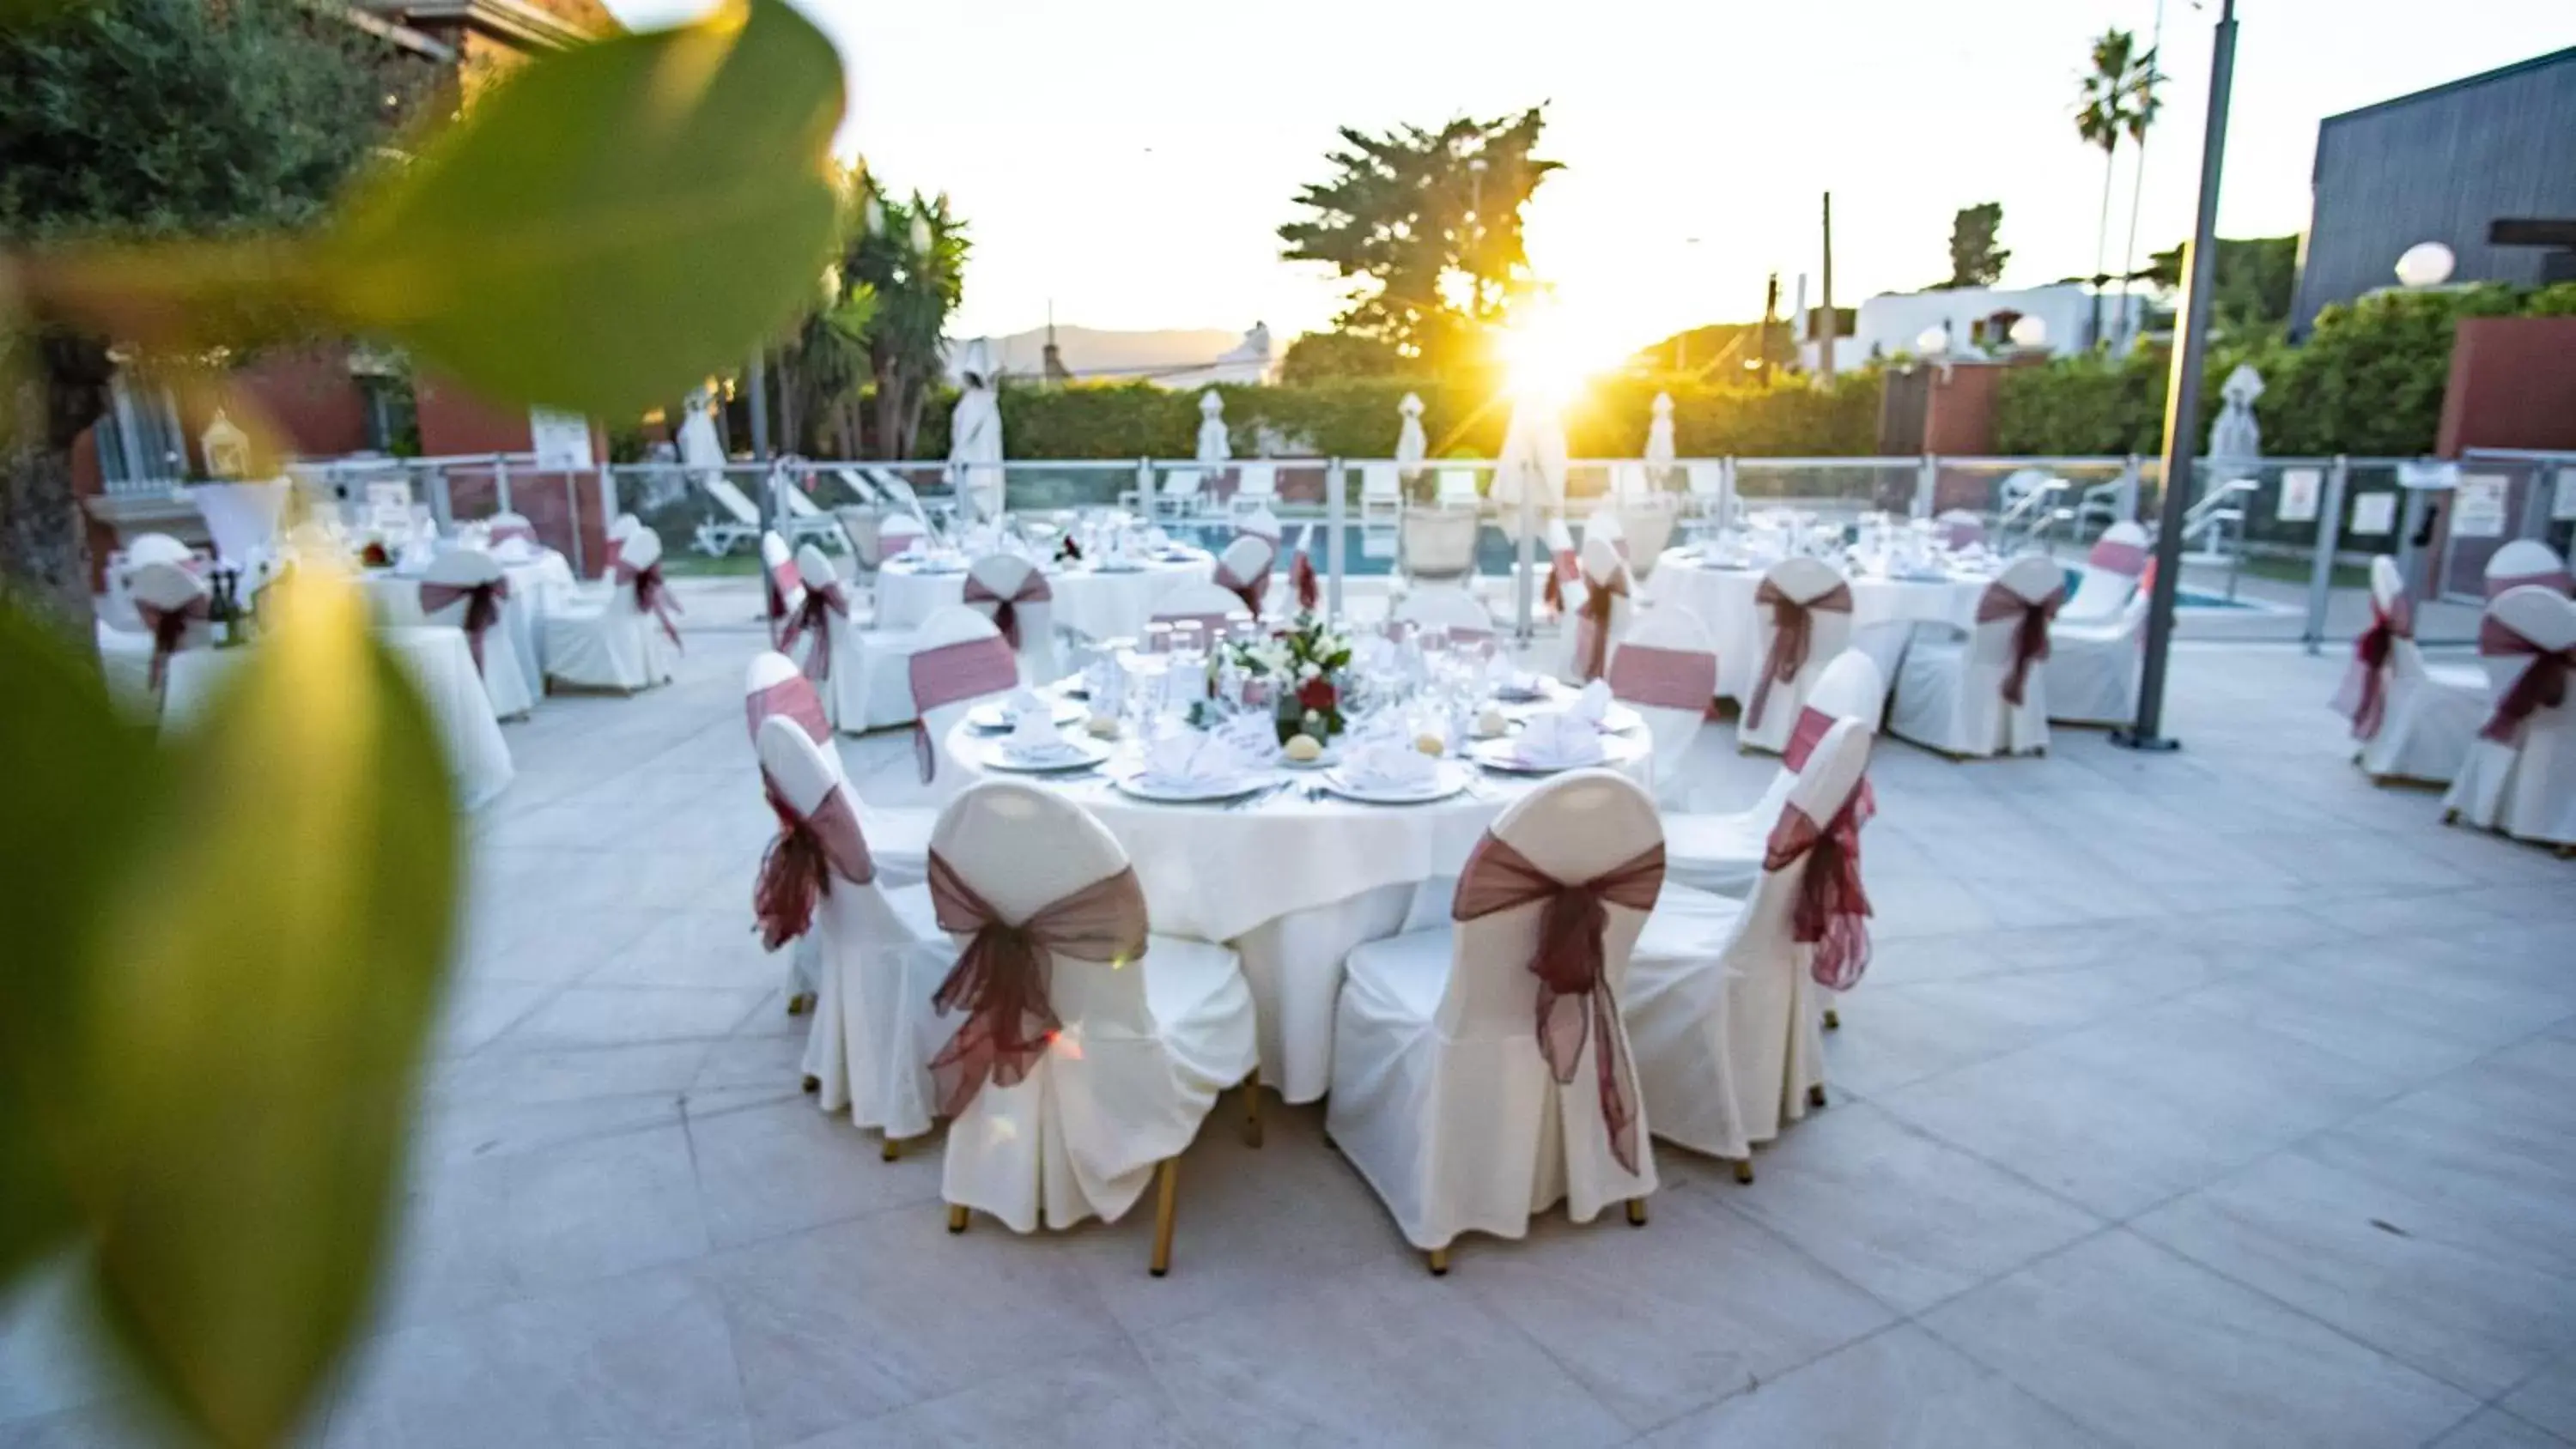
(2329, 538)
(1145, 488)
(1927, 486)
(1335, 507)
(501, 484)
(1525, 568)
(572, 516)
(442, 509)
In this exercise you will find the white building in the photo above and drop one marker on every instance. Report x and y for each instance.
(1977, 322)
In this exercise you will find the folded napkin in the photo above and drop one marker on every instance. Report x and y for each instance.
(1034, 736)
(1190, 759)
(1593, 705)
(1559, 739)
(1389, 765)
(1024, 705)
(1250, 736)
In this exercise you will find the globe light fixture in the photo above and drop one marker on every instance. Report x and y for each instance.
(2029, 331)
(1932, 341)
(2425, 264)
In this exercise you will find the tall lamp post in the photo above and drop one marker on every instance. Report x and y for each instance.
(2182, 399)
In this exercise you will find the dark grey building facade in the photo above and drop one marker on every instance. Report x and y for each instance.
(2442, 165)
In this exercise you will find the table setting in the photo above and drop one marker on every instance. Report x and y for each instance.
(1105, 575)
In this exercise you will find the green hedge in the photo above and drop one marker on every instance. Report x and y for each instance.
(2368, 381)
(1358, 418)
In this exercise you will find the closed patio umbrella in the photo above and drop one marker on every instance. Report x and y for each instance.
(975, 473)
(1410, 446)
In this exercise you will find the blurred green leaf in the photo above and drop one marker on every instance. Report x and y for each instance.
(80, 780)
(612, 222)
(265, 984)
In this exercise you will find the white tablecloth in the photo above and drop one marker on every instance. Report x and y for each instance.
(439, 663)
(535, 588)
(1087, 601)
(1292, 883)
(1883, 610)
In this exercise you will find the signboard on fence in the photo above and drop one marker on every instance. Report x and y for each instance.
(396, 494)
(561, 441)
(2478, 506)
(2299, 490)
(2374, 513)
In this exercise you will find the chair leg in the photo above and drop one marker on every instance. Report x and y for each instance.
(1252, 1109)
(1438, 1259)
(892, 1151)
(1166, 1202)
(1636, 1212)
(800, 1003)
(1816, 1095)
(1744, 1168)
(1833, 1019)
(956, 1217)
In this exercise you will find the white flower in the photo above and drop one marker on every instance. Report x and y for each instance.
(1309, 671)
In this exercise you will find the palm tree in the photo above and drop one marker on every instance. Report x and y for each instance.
(2117, 98)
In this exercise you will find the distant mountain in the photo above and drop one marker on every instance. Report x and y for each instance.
(1092, 350)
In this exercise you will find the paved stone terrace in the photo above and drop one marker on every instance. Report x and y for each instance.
(2208, 1099)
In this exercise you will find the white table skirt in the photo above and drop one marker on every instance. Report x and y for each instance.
(536, 587)
(439, 663)
(1291, 883)
(1883, 611)
(1097, 605)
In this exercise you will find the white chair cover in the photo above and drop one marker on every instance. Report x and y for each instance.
(1438, 545)
(1442, 1096)
(1244, 567)
(1951, 695)
(2111, 573)
(1258, 520)
(1646, 523)
(1728, 1048)
(2093, 665)
(464, 588)
(773, 685)
(627, 639)
(1008, 587)
(1602, 615)
(1605, 524)
(821, 626)
(2414, 721)
(1803, 619)
(1666, 670)
(2520, 773)
(1138, 1046)
(877, 694)
(781, 585)
(171, 602)
(1454, 610)
(1722, 853)
(959, 660)
(2526, 561)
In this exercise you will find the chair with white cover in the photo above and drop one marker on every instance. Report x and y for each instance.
(626, 640)
(2526, 561)
(773, 686)
(1305, 580)
(821, 628)
(956, 660)
(1244, 569)
(1646, 522)
(465, 588)
(2414, 720)
(899, 532)
(1666, 670)
(1481, 1070)
(875, 955)
(1730, 1049)
(1721, 851)
(861, 529)
(2093, 664)
(1083, 1051)
(2520, 774)
(116, 608)
(1601, 618)
(1561, 567)
(620, 528)
(1803, 619)
(1013, 592)
(1704, 484)
(1986, 693)
(1437, 547)
(172, 603)
(2111, 573)
(502, 527)
(1456, 611)
(782, 587)
(1604, 522)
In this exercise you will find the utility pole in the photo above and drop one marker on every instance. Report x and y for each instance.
(1476, 238)
(1770, 312)
(2182, 406)
(1828, 321)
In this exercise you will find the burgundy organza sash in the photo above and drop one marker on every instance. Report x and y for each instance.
(2363, 699)
(2554, 580)
(949, 673)
(1001, 978)
(1249, 589)
(1574, 996)
(1564, 568)
(1662, 678)
(784, 579)
(1812, 727)
(2030, 634)
(793, 697)
(814, 613)
(2112, 556)
(2542, 684)
(1592, 623)
(1005, 611)
(1793, 635)
(1832, 913)
(808, 851)
(1302, 573)
(170, 630)
(652, 595)
(482, 608)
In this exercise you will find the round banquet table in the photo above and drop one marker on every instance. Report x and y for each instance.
(440, 665)
(1884, 611)
(1292, 881)
(1097, 603)
(535, 585)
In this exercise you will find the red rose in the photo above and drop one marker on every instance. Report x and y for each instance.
(1317, 694)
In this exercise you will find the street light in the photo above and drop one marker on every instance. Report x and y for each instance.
(2030, 331)
(2425, 264)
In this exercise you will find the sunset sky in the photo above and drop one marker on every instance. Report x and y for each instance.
(1130, 159)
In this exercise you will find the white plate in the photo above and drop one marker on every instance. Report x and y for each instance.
(1078, 755)
(1618, 719)
(1206, 792)
(1505, 755)
(996, 716)
(1448, 777)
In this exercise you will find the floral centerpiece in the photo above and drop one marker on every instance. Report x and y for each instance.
(1301, 668)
